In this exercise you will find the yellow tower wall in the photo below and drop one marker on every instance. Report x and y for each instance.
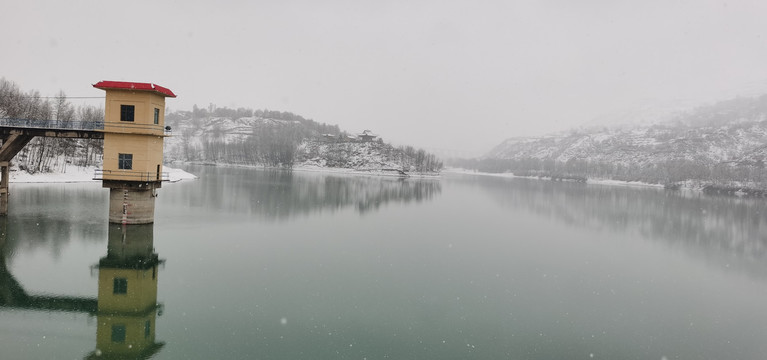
(139, 334)
(147, 155)
(141, 291)
(144, 103)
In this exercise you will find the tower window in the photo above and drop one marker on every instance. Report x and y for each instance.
(120, 286)
(118, 333)
(156, 116)
(125, 161)
(127, 112)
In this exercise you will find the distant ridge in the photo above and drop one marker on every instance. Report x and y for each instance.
(724, 144)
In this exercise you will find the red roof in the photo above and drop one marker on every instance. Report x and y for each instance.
(123, 85)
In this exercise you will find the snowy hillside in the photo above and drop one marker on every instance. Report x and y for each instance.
(363, 156)
(724, 143)
(730, 131)
(191, 138)
(643, 145)
(267, 138)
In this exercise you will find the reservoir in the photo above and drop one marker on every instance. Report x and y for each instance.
(264, 264)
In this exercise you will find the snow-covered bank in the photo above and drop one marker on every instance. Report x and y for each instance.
(175, 175)
(83, 174)
(368, 172)
(739, 189)
(611, 182)
(608, 182)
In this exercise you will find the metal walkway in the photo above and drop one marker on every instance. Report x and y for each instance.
(15, 133)
(51, 124)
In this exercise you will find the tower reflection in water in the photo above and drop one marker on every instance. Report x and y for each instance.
(127, 295)
(126, 307)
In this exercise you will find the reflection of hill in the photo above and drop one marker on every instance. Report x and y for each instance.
(728, 231)
(277, 194)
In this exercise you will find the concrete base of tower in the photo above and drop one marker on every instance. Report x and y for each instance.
(131, 205)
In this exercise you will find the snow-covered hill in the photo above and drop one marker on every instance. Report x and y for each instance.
(721, 147)
(732, 131)
(352, 155)
(265, 141)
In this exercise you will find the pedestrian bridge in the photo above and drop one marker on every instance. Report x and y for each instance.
(133, 130)
(16, 133)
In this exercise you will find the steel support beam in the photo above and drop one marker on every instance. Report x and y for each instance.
(15, 138)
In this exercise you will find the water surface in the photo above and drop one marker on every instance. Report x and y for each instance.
(280, 265)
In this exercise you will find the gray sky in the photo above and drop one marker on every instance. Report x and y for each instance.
(450, 75)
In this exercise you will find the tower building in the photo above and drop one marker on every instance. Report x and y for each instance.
(134, 130)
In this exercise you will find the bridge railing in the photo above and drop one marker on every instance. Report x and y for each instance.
(83, 125)
(52, 124)
(102, 174)
(123, 126)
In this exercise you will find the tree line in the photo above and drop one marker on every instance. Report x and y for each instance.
(271, 146)
(280, 143)
(45, 154)
(198, 115)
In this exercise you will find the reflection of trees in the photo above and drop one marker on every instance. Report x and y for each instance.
(726, 230)
(10, 290)
(44, 215)
(278, 194)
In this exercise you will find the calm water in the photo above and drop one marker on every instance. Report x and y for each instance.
(275, 265)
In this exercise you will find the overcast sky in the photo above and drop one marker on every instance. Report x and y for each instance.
(440, 74)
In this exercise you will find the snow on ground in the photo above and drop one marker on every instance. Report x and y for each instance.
(83, 174)
(71, 174)
(175, 175)
(374, 172)
(622, 183)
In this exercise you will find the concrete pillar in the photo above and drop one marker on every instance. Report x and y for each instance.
(5, 167)
(129, 243)
(131, 206)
